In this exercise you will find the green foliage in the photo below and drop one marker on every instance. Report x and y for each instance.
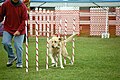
(95, 59)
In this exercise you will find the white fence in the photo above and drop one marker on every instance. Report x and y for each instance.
(40, 18)
(97, 21)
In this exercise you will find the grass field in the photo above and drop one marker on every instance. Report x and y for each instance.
(95, 59)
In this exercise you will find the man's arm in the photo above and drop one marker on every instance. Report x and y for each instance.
(24, 18)
(2, 12)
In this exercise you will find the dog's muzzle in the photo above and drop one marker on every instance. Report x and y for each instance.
(53, 47)
(58, 47)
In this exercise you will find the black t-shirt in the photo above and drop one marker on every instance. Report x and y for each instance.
(16, 4)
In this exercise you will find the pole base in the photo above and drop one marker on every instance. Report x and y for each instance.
(105, 35)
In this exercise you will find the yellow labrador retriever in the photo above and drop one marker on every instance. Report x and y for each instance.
(57, 48)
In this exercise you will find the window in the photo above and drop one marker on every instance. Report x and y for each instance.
(84, 9)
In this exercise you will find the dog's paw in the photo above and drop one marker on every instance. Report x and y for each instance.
(62, 67)
(53, 65)
(71, 63)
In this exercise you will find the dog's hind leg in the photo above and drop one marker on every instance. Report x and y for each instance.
(66, 55)
(69, 59)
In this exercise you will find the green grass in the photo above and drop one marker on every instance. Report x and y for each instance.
(95, 59)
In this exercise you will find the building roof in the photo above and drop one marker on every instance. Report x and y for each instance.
(92, 4)
(77, 3)
(71, 3)
(84, 1)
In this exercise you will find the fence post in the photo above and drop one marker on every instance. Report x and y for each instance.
(40, 21)
(31, 28)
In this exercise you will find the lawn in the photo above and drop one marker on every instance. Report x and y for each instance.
(95, 59)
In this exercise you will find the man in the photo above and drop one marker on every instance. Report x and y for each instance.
(15, 14)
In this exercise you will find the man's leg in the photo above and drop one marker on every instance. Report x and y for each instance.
(18, 42)
(6, 41)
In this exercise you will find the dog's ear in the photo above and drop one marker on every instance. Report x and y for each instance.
(61, 39)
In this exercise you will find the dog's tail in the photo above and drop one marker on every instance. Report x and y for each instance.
(70, 38)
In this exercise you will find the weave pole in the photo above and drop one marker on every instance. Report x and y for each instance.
(36, 47)
(26, 44)
(36, 31)
(73, 41)
(47, 45)
(59, 33)
(65, 34)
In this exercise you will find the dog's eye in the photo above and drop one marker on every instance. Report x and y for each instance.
(55, 41)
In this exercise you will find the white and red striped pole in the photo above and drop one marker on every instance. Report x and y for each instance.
(59, 33)
(36, 30)
(26, 45)
(47, 45)
(65, 34)
(73, 41)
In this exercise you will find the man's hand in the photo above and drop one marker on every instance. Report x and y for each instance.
(17, 33)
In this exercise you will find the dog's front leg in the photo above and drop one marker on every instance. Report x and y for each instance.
(52, 59)
(56, 60)
(60, 55)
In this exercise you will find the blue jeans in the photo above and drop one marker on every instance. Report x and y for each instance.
(18, 42)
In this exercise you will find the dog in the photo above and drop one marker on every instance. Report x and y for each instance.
(57, 48)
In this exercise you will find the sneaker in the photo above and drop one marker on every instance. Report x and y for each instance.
(19, 65)
(10, 62)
